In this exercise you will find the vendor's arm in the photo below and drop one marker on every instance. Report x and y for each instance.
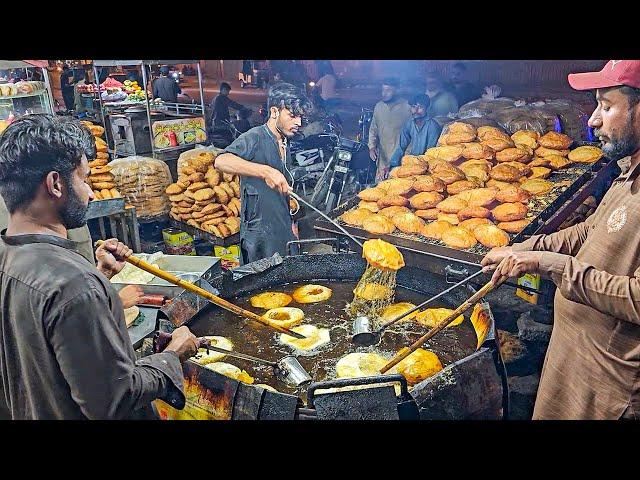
(403, 143)
(578, 281)
(238, 159)
(567, 241)
(96, 362)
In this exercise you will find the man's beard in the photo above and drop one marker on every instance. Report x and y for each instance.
(283, 132)
(626, 144)
(74, 212)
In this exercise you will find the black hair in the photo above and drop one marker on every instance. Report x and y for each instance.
(421, 99)
(224, 85)
(392, 82)
(633, 94)
(435, 75)
(35, 145)
(285, 95)
(460, 65)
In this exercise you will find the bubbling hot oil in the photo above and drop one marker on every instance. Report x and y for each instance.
(373, 293)
(250, 337)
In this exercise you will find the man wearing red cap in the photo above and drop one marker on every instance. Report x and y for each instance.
(592, 367)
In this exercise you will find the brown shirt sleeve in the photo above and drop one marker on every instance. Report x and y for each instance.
(567, 241)
(614, 295)
(95, 360)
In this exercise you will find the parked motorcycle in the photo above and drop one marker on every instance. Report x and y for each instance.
(222, 136)
(340, 179)
(310, 154)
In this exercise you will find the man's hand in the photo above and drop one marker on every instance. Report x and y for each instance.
(513, 264)
(494, 257)
(373, 153)
(184, 343)
(111, 256)
(131, 295)
(275, 180)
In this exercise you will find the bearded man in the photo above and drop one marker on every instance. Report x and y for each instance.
(592, 366)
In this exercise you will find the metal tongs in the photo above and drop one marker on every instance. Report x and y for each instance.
(287, 369)
(363, 329)
(466, 305)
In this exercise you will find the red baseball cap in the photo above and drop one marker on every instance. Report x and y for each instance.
(614, 74)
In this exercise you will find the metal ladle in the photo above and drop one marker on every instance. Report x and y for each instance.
(363, 333)
(333, 222)
(287, 369)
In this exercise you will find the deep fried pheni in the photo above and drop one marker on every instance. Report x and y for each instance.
(435, 229)
(508, 212)
(356, 216)
(491, 236)
(537, 186)
(378, 225)
(408, 222)
(555, 140)
(425, 200)
(514, 227)
(458, 238)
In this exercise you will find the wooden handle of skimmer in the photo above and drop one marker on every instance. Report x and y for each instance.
(470, 302)
(147, 267)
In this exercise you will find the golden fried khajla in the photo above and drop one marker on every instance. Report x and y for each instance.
(376, 287)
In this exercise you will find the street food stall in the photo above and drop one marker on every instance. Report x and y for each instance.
(24, 97)
(138, 124)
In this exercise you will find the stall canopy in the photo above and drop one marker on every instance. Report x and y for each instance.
(125, 63)
(7, 64)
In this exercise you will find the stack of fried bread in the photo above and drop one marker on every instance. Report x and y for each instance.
(204, 197)
(474, 187)
(142, 182)
(101, 179)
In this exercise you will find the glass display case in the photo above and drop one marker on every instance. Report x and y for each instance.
(23, 97)
(18, 105)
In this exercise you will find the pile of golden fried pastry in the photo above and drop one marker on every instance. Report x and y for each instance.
(101, 179)
(473, 187)
(206, 198)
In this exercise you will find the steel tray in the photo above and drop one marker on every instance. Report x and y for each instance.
(202, 267)
(544, 208)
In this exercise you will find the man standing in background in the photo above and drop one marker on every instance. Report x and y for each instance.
(443, 102)
(389, 116)
(463, 90)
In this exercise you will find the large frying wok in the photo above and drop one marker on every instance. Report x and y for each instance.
(473, 387)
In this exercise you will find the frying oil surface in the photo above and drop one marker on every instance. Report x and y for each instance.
(250, 337)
